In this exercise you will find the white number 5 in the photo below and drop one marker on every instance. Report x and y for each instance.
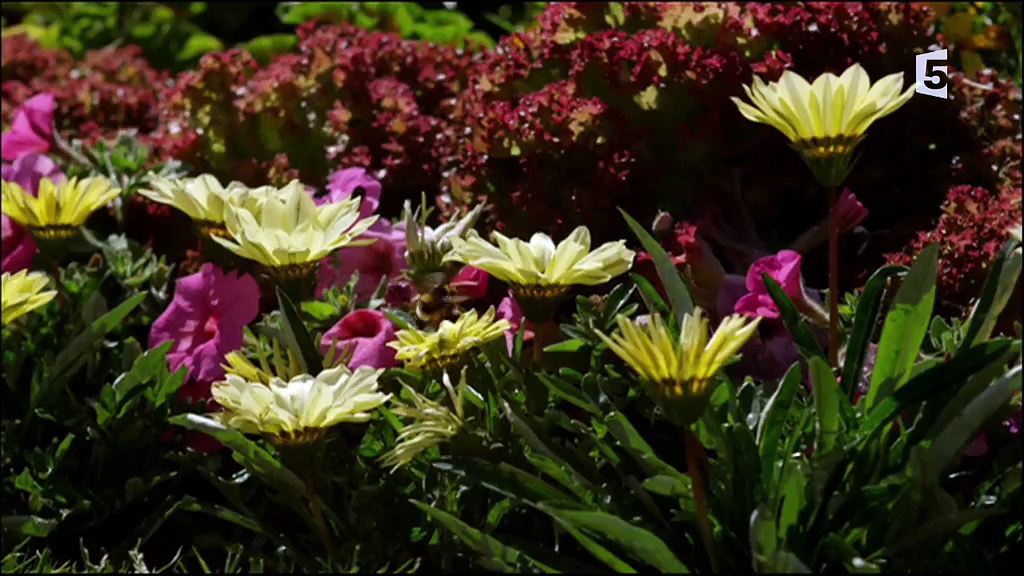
(932, 74)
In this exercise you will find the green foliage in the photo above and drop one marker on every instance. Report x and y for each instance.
(164, 31)
(408, 19)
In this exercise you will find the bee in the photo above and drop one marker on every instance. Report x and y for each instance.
(439, 300)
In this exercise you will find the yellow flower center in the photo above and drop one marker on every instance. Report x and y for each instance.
(298, 437)
(292, 272)
(820, 148)
(212, 228)
(443, 360)
(54, 232)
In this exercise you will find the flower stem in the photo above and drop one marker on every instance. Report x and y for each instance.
(318, 513)
(833, 277)
(694, 451)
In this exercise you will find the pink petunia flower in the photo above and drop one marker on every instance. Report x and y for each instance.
(471, 282)
(384, 258)
(850, 211)
(206, 319)
(32, 128)
(18, 247)
(343, 184)
(509, 309)
(784, 268)
(365, 333)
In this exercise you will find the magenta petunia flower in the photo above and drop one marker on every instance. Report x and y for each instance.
(365, 333)
(18, 247)
(784, 268)
(509, 309)
(343, 184)
(850, 211)
(384, 258)
(471, 282)
(206, 319)
(32, 128)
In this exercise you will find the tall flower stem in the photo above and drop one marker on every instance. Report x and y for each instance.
(694, 456)
(318, 513)
(833, 277)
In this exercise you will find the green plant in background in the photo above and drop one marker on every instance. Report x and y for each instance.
(408, 19)
(167, 36)
(983, 34)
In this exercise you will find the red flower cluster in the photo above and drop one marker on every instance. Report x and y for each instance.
(972, 229)
(347, 98)
(107, 91)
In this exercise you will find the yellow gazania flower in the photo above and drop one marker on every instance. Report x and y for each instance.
(301, 410)
(287, 231)
(429, 351)
(679, 372)
(434, 425)
(827, 119)
(202, 198)
(538, 271)
(59, 210)
(284, 364)
(23, 292)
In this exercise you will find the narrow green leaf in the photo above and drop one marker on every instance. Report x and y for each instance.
(864, 322)
(596, 550)
(794, 322)
(762, 534)
(637, 447)
(671, 486)
(675, 286)
(773, 419)
(566, 346)
(297, 331)
(246, 452)
(996, 292)
(905, 328)
(641, 544)
(649, 294)
(534, 441)
(570, 393)
(826, 405)
(509, 558)
(948, 443)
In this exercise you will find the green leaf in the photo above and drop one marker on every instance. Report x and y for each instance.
(936, 381)
(773, 419)
(948, 443)
(675, 286)
(73, 356)
(638, 448)
(568, 392)
(826, 406)
(649, 294)
(864, 322)
(671, 486)
(641, 544)
(508, 558)
(763, 535)
(265, 48)
(996, 292)
(246, 452)
(197, 45)
(905, 328)
(795, 323)
(597, 550)
(566, 346)
(297, 332)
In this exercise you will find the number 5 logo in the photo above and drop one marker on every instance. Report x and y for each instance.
(932, 75)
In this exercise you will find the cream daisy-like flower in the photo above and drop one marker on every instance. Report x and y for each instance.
(202, 198)
(287, 231)
(679, 371)
(538, 271)
(430, 351)
(58, 211)
(301, 410)
(826, 119)
(23, 292)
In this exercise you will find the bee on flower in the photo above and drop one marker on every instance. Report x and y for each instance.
(540, 273)
(59, 210)
(427, 247)
(23, 292)
(453, 341)
(679, 371)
